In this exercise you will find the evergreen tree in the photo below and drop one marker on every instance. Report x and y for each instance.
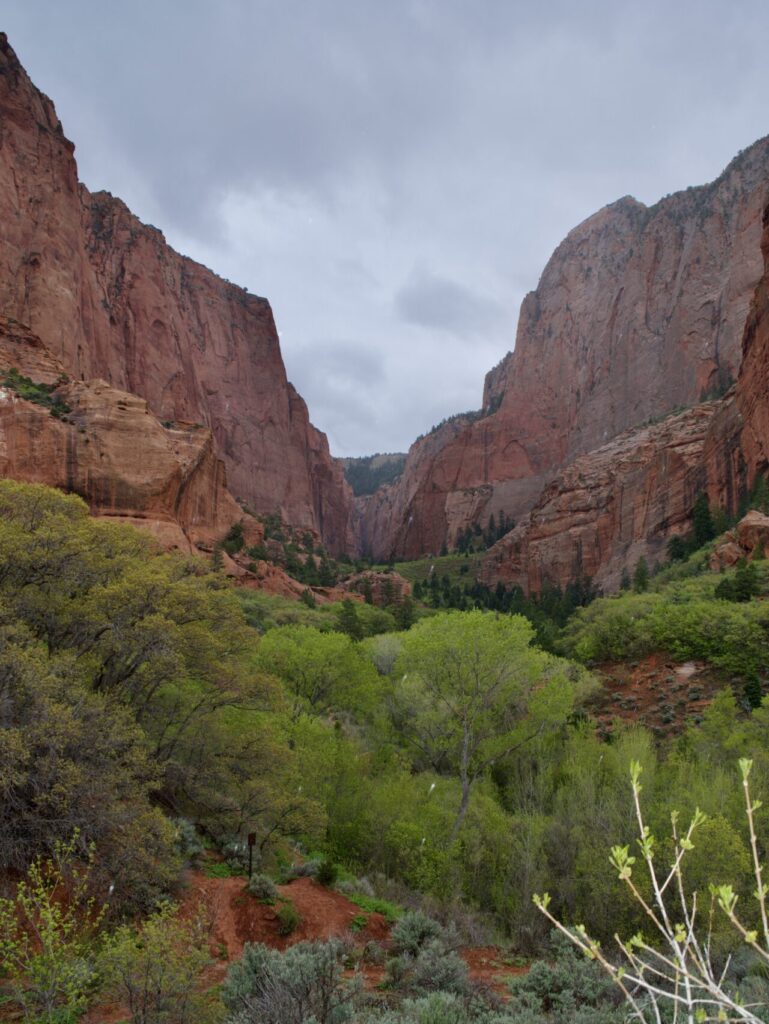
(349, 622)
(624, 583)
(326, 572)
(746, 583)
(678, 549)
(405, 613)
(368, 593)
(702, 521)
(641, 576)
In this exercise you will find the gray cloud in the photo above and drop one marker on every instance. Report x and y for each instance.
(430, 301)
(317, 152)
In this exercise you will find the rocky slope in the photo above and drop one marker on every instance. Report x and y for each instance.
(638, 312)
(113, 301)
(106, 446)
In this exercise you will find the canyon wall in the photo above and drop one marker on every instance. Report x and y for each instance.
(639, 311)
(105, 445)
(626, 499)
(113, 301)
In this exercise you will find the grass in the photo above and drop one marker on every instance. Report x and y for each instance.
(221, 870)
(373, 905)
(458, 568)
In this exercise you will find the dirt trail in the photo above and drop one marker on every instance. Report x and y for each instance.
(236, 918)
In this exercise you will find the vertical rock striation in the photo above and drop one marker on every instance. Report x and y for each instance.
(113, 301)
(639, 311)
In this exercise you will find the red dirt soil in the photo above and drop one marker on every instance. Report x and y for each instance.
(234, 918)
(237, 918)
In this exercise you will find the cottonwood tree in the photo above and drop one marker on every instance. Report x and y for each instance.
(318, 669)
(472, 689)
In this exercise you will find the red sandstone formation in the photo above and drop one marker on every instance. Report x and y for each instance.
(609, 507)
(114, 301)
(639, 311)
(112, 451)
(626, 499)
(749, 539)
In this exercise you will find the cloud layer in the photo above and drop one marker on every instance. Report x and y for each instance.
(393, 176)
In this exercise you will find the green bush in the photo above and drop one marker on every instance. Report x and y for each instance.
(188, 844)
(262, 888)
(327, 873)
(304, 984)
(40, 394)
(155, 972)
(413, 931)
(288, 918)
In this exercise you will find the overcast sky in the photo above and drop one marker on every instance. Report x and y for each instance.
(392, 174)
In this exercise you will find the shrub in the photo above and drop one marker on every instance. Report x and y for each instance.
(187, 841)
(413, 931)
(45, 942)
(436, 969)
(233, 541)
(155, 971)
(288, 918)
(327, 873)
(262, 888)
(309, 869)
(304, 983)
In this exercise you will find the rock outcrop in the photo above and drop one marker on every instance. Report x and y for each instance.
(106, 446)
(113, 301)
(610, 507)
(639, 311)
(749, 539)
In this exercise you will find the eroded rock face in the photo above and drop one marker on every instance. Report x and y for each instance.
(113, 301)
(610, 507)
(753, 389)
(112, 451)
(749, 539)
(639, 311)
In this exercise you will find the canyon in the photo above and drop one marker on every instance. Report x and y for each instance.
(638, 379)
(639, 313)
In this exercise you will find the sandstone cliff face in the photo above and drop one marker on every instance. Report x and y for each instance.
(627, 498)
(639, 311)
(609, 507)
(112, 451)
(114, 301)
(753, 389)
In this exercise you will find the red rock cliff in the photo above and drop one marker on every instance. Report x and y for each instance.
(112, 451)
(639, 311)
(114, 301)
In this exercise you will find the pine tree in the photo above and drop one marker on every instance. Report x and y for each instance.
(349, 622)
(702, 520)
(641, 576)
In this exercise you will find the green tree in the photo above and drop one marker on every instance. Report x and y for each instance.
(641, 576)
(319, 670)
(702, 521)
(473, 689)
(349, 621)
